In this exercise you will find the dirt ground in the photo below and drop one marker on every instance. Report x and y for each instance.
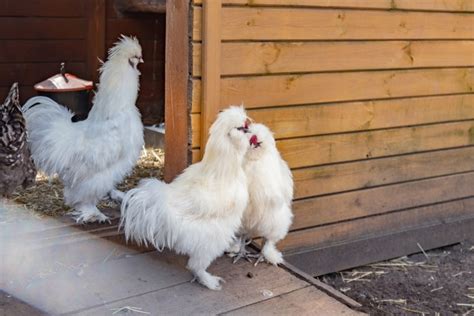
(439, 282)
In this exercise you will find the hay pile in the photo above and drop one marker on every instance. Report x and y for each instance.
(46, 196)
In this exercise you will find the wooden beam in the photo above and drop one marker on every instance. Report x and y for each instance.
(211, 72)
(95, 37)
(177, 154)
(329, 290)
(141, 6)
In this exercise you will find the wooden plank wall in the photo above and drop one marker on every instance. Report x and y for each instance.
(150, 30)
(371, 103)
(35, 36)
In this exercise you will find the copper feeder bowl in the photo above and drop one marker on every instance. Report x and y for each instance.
(68, 90)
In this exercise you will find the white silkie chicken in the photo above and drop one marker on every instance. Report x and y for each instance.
(92, 156)
(199, 212)
(270, 186)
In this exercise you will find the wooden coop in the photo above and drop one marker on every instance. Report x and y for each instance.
(371, 102)
(372, 105)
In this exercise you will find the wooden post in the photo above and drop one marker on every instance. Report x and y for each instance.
(211, 64)
(95, 37)
(177, 153)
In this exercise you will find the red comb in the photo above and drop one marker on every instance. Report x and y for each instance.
(246, 124)
(253, 140)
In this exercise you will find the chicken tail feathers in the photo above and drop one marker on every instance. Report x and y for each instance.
(146, 218)
(50, 131)
(37, 101)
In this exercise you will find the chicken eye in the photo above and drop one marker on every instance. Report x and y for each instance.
(243, 129)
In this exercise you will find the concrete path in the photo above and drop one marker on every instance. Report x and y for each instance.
(64, 269)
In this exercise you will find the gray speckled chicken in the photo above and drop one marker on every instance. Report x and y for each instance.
(16, 165)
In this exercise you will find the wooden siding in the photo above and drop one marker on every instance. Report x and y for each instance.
(247, 23)
(289, 57)
(371, 103)
(430, 5)
(35, 36)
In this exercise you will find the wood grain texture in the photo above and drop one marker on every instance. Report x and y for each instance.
(95, 37)
(302, 24)
(267, 91)
(195, 154)
(141, 6)
(294, 89)
(45, 28)
(328, 149)
(211, 72)
(152, 80)
(20, 51)
(435, 5)
(176, 88)
(291, 57)
(311, 151)
(308, 120)
(46, 8)
(373, 201)
(26, 92)
(32, 73)
(143, 28)
(304, 301)
(336, 178)
(187, 298)
(435, 232)
(370, 226)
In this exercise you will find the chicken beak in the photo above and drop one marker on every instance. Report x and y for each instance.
(141, 61)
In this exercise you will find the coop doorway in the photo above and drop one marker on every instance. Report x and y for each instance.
(162, 28)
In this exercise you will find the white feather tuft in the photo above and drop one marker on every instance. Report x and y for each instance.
(200, 211)
(270, 186)
(91, 156)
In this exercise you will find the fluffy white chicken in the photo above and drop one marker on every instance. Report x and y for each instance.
(92, 156)
(199, 212)
(270, 186)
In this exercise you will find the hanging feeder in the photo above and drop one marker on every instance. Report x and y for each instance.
(68, 90)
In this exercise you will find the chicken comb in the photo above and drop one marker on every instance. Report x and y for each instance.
(247, 123)
(254, 140)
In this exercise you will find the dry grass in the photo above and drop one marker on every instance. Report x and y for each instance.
(46, 196)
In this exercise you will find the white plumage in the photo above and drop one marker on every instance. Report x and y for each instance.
(199, 212)
(92, 156)
(270, 187)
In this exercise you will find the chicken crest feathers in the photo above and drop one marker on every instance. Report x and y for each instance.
(126, 46)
